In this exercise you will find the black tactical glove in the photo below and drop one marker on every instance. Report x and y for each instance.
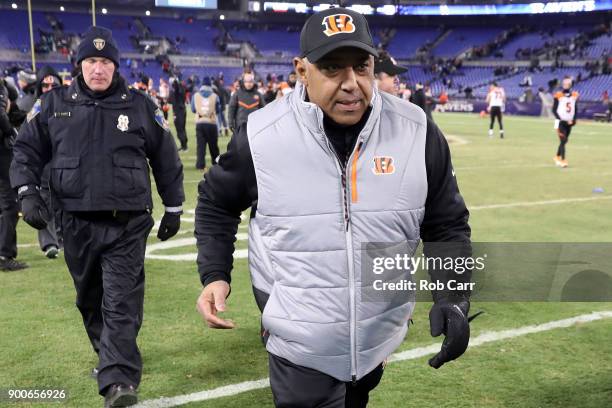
(33, 208)
(451, 318)
(169, 226)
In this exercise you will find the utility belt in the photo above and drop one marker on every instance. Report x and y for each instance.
(114, 215)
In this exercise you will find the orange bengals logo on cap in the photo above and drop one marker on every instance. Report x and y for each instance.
(337, 24)
(383, 165)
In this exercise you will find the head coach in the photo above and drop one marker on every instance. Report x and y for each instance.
(333, 165)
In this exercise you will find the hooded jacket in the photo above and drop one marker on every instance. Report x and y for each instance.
(42, 74)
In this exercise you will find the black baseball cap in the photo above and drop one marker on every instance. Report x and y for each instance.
(335, 28)
(388, 65)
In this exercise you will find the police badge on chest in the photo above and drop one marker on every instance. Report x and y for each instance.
(123, 123)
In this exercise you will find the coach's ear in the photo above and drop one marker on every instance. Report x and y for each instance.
(299, 65)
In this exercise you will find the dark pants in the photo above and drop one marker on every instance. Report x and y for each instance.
(49, 236)
(294, 386)
(206, 134)
(564, 132)
(180, 116)
(9, 209)
(496, 113)
(105, 257)
(221, 116)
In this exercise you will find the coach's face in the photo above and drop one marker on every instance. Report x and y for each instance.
(98, 73)
(341, 83)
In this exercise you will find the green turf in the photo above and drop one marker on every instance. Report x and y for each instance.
(43, 342)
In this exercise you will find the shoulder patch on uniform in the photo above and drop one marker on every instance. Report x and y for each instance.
(36, 108)
(575, 94)
(558, 95)
(161, 121)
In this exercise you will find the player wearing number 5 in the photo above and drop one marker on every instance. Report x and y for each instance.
(564, 108)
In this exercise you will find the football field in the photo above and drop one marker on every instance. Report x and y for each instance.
(514, 193)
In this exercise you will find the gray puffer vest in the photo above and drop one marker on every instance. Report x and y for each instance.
(302, 250)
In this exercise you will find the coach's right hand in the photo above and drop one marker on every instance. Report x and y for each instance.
(211, 302)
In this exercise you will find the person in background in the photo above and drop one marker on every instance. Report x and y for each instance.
(496, 99)
(162, 96)
(244, 101)
(386, 72)
(49, 238)
(224, 97)
(177, 100)
(565, 109)
(9, 208)
(206, 104)
(27, 85)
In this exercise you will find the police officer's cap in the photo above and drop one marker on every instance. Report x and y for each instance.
(98, 42)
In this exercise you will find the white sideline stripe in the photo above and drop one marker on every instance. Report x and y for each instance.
(456, 140)
(487, 337)
(26, 245)
(533, 203)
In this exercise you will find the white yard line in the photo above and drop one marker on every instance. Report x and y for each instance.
(484, 338)
(536, 203)
(505, 166)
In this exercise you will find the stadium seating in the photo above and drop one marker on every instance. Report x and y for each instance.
(407, 41)
(461, 39)
(600, 46)
(273, 40)
(534, 40)
(197, 36)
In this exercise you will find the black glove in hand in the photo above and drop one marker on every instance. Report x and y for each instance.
(169, 226)
(34, 211)
(450, 318)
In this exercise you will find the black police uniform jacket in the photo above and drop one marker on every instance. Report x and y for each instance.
(100, 147)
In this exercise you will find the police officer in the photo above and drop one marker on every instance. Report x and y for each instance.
(100, 138)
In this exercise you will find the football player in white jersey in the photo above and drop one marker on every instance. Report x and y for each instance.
(564, 108)
(496, 98)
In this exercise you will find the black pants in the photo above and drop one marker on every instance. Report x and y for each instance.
(105, 257)
(180, 116)
(564, 132)
(49, 236)
(496, 113)
(9, 209)
(294, 386)
(206, 134)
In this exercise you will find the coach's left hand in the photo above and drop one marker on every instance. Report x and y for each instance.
(450, 318)
(169, 226)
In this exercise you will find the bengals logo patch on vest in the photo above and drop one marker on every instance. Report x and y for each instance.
(338, 24)
(383, 165)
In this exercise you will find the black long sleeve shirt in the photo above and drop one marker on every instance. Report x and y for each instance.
(230, 187)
